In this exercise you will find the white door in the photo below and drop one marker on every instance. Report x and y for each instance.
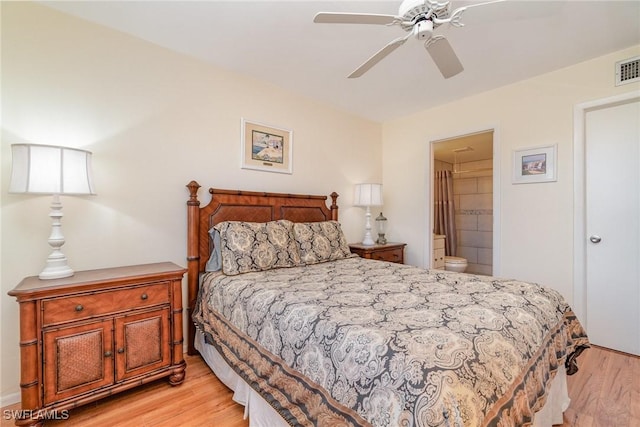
(612, 162)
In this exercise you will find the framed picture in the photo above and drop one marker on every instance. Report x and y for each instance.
(266, 148)
(534, 165)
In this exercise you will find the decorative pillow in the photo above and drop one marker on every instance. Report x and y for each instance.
(320, 241)
(214, 263)
(257, 246)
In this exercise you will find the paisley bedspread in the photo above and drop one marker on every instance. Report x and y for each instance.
(362, 342)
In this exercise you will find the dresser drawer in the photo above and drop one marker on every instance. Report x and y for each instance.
(392, 255)
(81, 306)
(391, 252)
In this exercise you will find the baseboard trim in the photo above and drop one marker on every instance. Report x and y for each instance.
(9, 399)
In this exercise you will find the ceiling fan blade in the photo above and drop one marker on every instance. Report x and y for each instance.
(444, 57)
(378, 56)
(354, 18)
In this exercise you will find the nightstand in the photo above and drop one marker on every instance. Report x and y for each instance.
(393, 252)
(96, 333)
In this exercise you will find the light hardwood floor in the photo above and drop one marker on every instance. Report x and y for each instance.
(605, 393)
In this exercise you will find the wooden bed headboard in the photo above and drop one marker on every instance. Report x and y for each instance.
(233, 205)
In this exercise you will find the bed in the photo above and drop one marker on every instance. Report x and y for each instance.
(306, 333)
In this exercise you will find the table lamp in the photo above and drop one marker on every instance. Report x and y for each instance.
(367, 195)
(47, 169)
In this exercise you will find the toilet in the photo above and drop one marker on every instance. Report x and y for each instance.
(455, 263)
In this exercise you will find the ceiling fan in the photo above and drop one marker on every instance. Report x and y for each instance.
(419, 18)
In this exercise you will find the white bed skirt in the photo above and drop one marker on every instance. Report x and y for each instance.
(261, 414)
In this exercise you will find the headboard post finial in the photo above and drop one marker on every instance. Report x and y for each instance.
(334, 206)
(193, 187)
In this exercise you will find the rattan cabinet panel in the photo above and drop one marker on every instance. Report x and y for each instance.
(96, 333)
(142, 343)
(78, 360)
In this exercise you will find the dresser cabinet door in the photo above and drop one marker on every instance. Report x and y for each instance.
(142, 343)
(438, 258)
(77, 359)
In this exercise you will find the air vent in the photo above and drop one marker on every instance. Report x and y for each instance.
(628, 71)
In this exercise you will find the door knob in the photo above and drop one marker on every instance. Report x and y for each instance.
(595, 238)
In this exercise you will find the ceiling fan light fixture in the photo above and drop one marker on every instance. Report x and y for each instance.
(423, 29)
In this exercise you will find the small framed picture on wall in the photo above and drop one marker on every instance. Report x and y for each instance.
(537, 164)
(266, 148)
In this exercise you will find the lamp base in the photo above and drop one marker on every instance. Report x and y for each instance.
(56, 267)
(368, 240)
(55, 273)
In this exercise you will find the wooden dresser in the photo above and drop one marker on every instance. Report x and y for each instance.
(96, 333)
(393, 252)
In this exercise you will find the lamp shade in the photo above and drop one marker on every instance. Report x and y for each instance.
(47, 169)
(368, 195)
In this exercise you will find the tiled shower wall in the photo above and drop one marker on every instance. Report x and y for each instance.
(473, 200)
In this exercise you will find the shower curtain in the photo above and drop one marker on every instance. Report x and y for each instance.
(444, 212)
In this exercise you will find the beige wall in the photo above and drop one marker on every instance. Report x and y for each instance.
(154, 120)
(536, 220)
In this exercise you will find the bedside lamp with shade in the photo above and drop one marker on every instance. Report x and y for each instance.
(47, 169)
(367, 195)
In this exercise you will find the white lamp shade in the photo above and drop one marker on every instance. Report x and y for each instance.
(46, 169)
(368, 195)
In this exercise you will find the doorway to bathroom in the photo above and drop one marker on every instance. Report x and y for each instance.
(463, 180)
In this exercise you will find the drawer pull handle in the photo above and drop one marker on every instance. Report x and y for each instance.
(121, 350)
(107, 354)
(144, 296)
(79, 307)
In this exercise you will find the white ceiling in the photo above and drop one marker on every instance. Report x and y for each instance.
(277, 41)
